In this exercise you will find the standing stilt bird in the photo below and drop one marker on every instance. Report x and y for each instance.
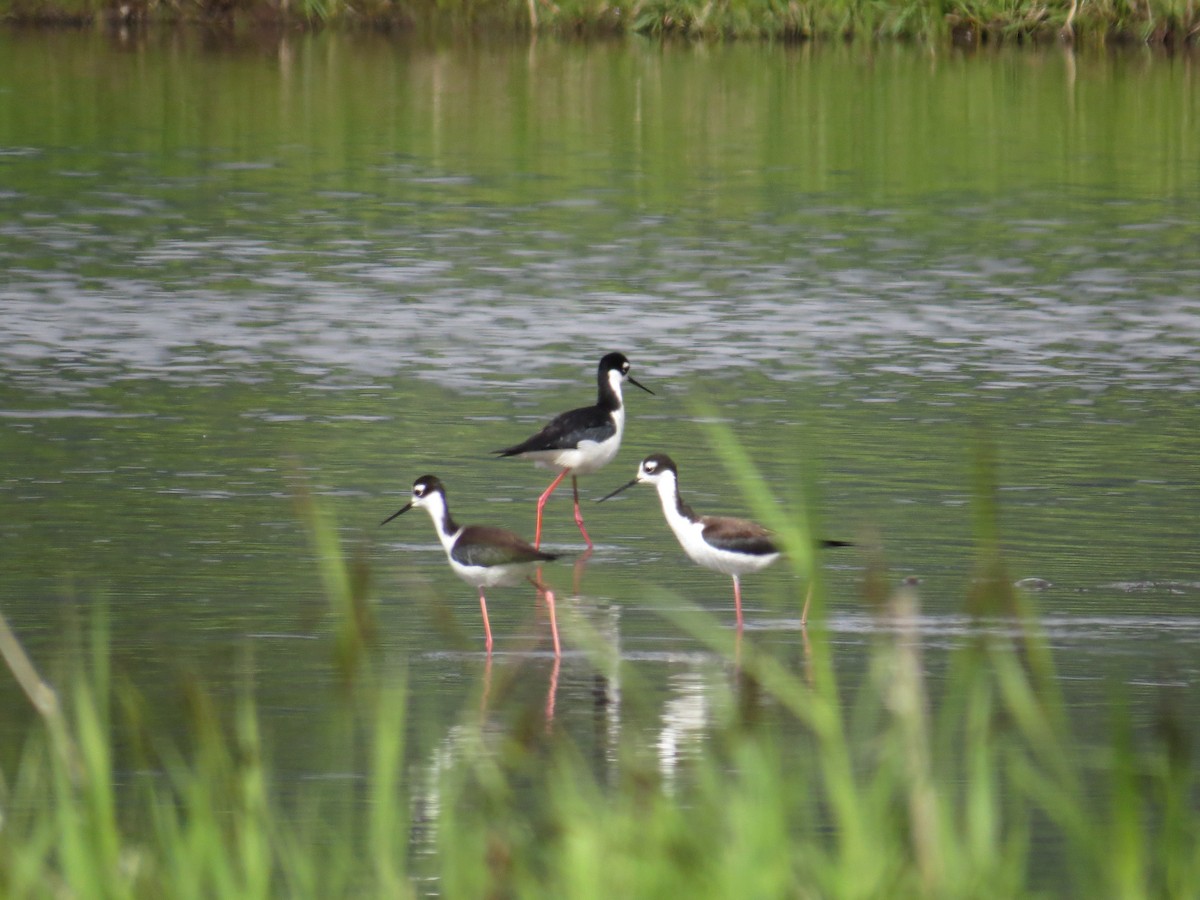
(583, 440)
(722, 543)
(480, 555)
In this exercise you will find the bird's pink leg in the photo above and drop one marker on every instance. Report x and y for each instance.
(487, 685)
(577, 569)
(578, 514)
(553, 623)
(487, 628)
(737, 601)
(550, 694)
(537, 536)
(549, 595)
(807, 601)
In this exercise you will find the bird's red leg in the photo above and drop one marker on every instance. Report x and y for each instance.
(553, 623)
(578, 514)
(537, 536)
(549, 595)
(487, 628)
(550, 693)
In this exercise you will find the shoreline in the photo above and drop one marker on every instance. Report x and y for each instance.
(1158, 23)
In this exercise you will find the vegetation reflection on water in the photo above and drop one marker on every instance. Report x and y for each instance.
(352, 263)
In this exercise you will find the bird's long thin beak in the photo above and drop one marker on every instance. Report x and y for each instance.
(637, 383)
(618, 490)
(405, 508)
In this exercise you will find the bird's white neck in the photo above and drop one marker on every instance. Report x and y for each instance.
(618, 419)
(610, 393)
(668, 494)
(614, 382)
(439, 511)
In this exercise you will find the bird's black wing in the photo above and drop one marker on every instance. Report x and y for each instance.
(738, 536)
(483, 545)
(565, 431)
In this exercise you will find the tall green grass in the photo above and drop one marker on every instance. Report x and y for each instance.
(964, 21)
(982, 791)
(201, 820)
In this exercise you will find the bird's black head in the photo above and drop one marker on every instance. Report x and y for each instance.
(651, 470)
(423, 488)
(617, 362)
(656, 465)
(426, 485)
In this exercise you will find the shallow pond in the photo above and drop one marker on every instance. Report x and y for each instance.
(236, 268)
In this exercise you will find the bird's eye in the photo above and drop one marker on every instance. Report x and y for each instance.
(650, 467)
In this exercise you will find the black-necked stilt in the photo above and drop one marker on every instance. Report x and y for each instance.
(480, 555)
(583, 440)
(722, 543)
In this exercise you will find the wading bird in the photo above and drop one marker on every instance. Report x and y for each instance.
(480, 555)
(582, 440)
(722, 543)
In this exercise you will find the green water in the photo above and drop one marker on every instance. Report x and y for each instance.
(345, 262)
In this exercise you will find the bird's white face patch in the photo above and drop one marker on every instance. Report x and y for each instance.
(649, 471)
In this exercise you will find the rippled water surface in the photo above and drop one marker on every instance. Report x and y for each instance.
(344, 263)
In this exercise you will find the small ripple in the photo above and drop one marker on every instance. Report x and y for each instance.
(70, 414)
(1100, 627)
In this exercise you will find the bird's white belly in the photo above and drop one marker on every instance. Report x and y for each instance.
(585, 458)
(491, 576)
(724, 561)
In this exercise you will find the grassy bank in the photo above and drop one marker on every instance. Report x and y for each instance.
(900, 793)
(1174, 22)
